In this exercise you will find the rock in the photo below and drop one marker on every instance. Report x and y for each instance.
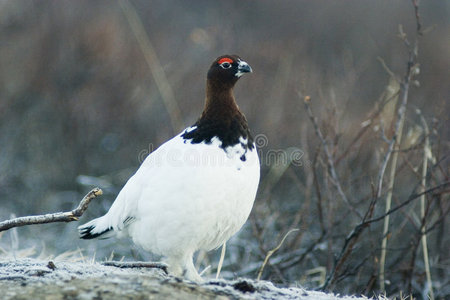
(40, 279)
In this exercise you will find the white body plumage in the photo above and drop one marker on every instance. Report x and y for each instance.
(185, 197)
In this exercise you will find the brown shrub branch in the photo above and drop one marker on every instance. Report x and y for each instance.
(69, 216)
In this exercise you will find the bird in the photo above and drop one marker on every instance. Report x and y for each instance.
(196, 190)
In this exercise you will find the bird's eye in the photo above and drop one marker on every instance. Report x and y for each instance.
(225, 65)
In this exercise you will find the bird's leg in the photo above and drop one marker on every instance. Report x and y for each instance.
(136, 264)
(191, 272)
(175, 265)
(183, 266)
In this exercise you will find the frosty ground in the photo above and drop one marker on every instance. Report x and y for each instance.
(45, 279)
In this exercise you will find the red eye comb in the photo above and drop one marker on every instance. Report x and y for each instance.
(225, 59)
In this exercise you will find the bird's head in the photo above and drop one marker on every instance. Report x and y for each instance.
(227, 69)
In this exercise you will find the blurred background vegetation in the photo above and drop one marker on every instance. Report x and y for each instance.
(82, 102)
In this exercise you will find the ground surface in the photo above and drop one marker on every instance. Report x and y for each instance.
(43, 279)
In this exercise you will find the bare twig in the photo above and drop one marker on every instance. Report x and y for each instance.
(55, 217)
(330, 160)
(418, 21)
(396, 141)
(136, 264)
(318, 193)
(411, 70)
(154, 64)
(297, 258)
(271, 252)
(352, 237)
(422, 201)
(369, 122)
(346, 250)
(409, 200)
(440, 220)
(386, 68)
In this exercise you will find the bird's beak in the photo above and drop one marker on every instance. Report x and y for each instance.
(243, 67)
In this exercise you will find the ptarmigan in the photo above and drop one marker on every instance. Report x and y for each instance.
(196, 190)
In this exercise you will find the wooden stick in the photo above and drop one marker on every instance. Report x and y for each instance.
(136, 264)
(55, 217)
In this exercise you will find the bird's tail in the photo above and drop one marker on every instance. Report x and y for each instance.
(97, 228)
